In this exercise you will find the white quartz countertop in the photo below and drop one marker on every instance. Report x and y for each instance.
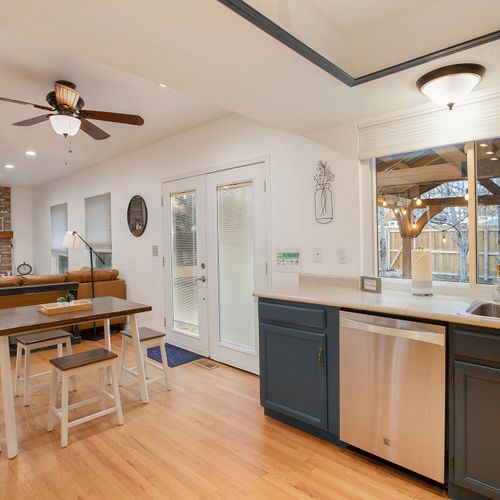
(445, 308)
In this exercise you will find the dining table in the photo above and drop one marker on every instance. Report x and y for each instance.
(16, 321)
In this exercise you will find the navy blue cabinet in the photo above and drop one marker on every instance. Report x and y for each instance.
(299, 367)
(474, 402)
(294, 383)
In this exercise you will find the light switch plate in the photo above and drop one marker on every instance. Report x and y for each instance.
(155, 250)
(317, 255)
(341, 256)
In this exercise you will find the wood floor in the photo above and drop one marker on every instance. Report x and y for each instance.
(207, 438)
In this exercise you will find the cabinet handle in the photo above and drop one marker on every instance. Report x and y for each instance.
(321, 352)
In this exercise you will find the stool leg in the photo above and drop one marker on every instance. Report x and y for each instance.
(27, 385)
(164, 362)
(69, 350)
(102, 388)
(64, 411)
(60, 354)
(145, 357)
(52, 401)
(122, 358)
(19, 358)
(116, 392)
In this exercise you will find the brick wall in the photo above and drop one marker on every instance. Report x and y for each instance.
(5, 225)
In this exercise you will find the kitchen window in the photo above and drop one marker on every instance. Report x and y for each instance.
(58, 228)
(98, 228)
(445, 199)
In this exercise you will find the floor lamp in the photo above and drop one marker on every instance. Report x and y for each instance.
(73, 239)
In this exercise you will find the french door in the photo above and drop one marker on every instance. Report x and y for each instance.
(216, 257)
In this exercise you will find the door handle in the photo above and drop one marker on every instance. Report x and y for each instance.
(321, 354)
(202, 279)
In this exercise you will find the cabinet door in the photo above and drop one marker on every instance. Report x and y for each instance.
(477, 428)
(293, 373)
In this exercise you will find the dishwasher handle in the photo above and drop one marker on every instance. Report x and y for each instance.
(418, 335)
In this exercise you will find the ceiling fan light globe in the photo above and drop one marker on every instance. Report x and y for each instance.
(65, 125)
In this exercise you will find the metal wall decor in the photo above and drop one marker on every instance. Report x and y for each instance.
(137, 215)
(323, 196)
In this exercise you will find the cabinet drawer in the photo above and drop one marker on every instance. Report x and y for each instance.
(294, 315)
(478, 345)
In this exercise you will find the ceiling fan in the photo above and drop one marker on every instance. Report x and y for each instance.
(68, 116)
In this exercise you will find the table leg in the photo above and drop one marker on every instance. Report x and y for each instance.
(107, 334)
(8, 397)
(139, 360)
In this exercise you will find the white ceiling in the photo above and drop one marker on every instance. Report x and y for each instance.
(28, 73)
(203, 49)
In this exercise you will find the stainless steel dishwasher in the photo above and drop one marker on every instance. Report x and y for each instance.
(392, 390)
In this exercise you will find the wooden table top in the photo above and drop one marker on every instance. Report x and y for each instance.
(28, 318)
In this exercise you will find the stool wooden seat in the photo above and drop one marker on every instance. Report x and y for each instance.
(147, 338)
(28, 343)
(101, 360)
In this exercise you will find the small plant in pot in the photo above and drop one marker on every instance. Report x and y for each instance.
(66, 299)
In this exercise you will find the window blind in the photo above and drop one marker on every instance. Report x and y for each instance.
(58, 227)
(426, 129)
(184, 261)
(98, 221)
(235, 220)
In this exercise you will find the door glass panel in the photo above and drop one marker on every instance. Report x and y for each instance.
(235, 223)
(184, 262)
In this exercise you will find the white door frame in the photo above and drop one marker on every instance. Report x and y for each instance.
(263, 160)
(195, 343)
(238, 356)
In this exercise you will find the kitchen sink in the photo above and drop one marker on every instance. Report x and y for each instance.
(485, 309)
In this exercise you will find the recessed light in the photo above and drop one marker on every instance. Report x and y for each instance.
(494, 159)
(483, 145)
(9, 166)
(490, 153)
(30, 152)
(163, 85)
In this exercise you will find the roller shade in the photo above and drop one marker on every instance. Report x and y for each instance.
(98, 221)
(426, 129)
(58, 227)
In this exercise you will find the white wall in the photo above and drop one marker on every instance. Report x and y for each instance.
(292, 158)
(22, 226)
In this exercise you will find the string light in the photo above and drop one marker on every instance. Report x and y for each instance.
(466, 195)
(414, 225)
(384, 202)
(418, 201)
(404, 211)
(396, 210)
(444, 237)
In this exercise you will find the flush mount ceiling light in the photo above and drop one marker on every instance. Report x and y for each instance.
(451, 84)
(65, 124)
(30, 152)
(9, 166)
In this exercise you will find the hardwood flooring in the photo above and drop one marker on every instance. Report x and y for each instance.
(207, 438)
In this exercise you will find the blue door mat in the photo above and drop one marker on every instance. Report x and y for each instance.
(176, 356)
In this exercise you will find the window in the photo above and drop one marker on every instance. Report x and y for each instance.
(423, 201)
(98, 228)
(58, 228)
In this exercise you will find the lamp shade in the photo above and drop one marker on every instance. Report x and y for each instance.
(65, 124)
(451, 84)
(71, 240)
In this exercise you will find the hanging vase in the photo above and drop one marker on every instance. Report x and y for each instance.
(323, 205)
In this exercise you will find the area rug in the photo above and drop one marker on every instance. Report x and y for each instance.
(176, 356)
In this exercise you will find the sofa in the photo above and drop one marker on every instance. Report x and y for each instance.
(16, 291)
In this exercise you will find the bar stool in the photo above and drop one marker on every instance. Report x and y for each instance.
(30, 342)
(148, 338)
(100, 360)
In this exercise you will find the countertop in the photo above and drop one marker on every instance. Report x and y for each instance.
(444, 308)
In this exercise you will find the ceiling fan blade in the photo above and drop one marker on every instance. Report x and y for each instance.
(95, 132)
(112, 117)
(32, 121)
(15, 101)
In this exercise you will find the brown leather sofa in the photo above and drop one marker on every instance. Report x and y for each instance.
(106, 283)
